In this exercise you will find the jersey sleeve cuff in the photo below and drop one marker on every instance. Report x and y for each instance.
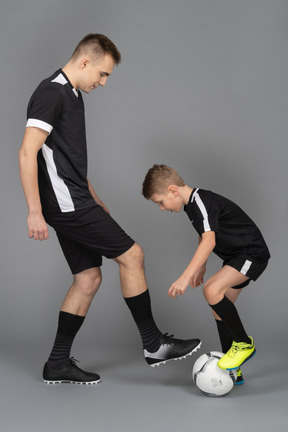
(39, 124)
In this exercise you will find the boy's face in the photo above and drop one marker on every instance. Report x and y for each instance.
(96, 74)
(169, 201)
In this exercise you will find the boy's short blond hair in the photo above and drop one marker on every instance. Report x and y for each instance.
(158, 179)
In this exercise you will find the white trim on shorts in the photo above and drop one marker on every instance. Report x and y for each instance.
(246, 267)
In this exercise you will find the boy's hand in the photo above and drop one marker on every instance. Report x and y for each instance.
(198, 278)
(178, 287)
(194, 272)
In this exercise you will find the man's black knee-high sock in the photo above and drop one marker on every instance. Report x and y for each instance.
(68, 326)
(225, 336)
(140, 307)
(227, 311)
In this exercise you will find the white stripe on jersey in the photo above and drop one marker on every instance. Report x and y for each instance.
(60, 189)
(203, 210)
(39, 124)
(246, 267)
(60, 79)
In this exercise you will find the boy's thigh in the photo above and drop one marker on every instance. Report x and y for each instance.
(247, 267)
(221, 282)
(235, 274)
(226, 278)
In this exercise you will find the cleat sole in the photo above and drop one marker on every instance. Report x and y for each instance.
(72, 382)
(177, 358)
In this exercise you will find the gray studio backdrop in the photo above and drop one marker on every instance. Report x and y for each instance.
(202, 87)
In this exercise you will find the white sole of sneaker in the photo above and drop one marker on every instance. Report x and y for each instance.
(177, 358)
(72, 382)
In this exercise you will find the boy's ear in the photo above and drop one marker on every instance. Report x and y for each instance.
(173, 190)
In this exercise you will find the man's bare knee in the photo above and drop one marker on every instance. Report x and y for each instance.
(88, 281)
(133, 257)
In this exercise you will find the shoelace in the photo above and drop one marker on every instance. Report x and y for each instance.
(169, 340)
(235, 349)
(73, 361)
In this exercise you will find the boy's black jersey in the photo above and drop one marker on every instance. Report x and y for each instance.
(58, 108)
(236, 234)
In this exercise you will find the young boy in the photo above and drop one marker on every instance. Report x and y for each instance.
(230, 233)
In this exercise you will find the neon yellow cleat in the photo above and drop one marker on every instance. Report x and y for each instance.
(238, 354)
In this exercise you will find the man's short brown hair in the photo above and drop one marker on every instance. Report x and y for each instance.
(97, 45)
(158, 178)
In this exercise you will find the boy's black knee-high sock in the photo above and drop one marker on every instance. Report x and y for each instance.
(68, 326)
(140, 307)
(225, 336)
(227, 311)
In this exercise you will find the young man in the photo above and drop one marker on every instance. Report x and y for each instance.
(53, 171)
(227, 231)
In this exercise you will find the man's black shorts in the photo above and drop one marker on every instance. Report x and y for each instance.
(247, 266)
(87, 235)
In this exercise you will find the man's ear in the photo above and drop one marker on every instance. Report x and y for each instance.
(84, 62)
(173, 190)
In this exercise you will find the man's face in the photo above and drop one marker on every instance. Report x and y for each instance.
(95, 74)
(168, 201)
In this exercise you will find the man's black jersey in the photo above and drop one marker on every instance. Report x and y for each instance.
(236, 234)
(58, 108)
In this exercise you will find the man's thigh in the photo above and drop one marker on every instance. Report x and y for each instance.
(89, 233)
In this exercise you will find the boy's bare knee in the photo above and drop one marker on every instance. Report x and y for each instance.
(209, 292)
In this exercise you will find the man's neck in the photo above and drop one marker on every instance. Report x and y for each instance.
(69, 71)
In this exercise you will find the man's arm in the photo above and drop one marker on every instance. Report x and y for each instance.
(33, 140)
(194, 272)
(96, 198)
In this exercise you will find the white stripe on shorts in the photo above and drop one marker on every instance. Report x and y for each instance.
(246, 267)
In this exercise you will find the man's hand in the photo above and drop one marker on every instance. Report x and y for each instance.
(100, 202)
(37, 226)
(96, 198)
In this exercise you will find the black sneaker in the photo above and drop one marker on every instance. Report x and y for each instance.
(69, 374)
(171, 349)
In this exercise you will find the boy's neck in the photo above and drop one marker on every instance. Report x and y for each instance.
(185, 193)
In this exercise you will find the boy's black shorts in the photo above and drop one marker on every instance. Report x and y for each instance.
(248, 267)
(87, 235)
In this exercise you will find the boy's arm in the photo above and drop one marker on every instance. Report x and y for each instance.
(194, 272)
(204, 265)
(33, 140)
(96, 198)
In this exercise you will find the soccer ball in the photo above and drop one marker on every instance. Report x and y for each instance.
(209, 378)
